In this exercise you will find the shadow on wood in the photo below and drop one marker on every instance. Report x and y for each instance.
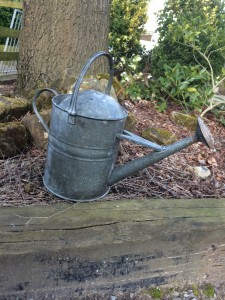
(70, 250)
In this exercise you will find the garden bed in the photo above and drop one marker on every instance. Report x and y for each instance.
(21, 176)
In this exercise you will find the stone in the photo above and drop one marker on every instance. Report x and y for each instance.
(12, 109)
(190, 122)
(89, 83)
(94, 84)
(159, 136)
(202, 172)
(103, 83)
(191, 295)
(13, 139)
(131, 122)
(175, 294)
(44, 101)
(29, 187)
(38, 135)
(119, 90)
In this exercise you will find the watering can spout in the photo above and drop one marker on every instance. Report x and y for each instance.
(202, 134)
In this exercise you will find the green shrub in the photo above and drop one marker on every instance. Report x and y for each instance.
(188, 85)
(209, 291)
(155, 293)
(185, 21)
(134, 81)
(127, 20)
(5, 19)
(188, 62)
(5, 16)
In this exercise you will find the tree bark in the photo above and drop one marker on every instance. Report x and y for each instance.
(58, 37)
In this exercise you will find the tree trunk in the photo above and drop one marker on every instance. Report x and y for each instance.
(58, 37)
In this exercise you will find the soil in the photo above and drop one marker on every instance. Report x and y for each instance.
(21, 176)
(7, 88)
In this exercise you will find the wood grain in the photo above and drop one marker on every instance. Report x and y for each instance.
(117, 245)
(11, 3)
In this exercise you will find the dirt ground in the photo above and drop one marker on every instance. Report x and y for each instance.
(173, 177)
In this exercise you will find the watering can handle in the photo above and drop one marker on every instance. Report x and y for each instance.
(73, 101)
(35, 107)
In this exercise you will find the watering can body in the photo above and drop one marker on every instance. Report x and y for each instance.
(84, 135)
(80, 159)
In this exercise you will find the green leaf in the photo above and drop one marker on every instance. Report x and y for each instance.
(184, 85)
(223, 70)
(191, 89)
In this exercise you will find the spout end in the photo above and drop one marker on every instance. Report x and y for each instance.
(204, 135)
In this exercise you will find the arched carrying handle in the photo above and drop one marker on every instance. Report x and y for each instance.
(73, 101)
(35, 107)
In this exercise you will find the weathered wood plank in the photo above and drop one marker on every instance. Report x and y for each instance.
(11, 3)
(8, 32)
(8, 56)
(66, 248)
(7, 77)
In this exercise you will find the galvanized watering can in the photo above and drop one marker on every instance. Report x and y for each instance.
(84, 136)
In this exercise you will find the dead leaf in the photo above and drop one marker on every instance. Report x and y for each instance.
(212, 161)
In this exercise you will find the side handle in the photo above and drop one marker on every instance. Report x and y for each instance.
(131, 137)
(35, 107)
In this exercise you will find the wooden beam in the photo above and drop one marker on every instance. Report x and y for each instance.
(11, 4)
(7, 77)
(8, 32)
(64, 249)
(9, 56)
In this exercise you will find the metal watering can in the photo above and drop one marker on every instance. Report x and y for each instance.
(84, 135)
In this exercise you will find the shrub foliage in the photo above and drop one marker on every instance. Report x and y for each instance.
(5, 19)
(188, 62)
(128, 18)
(185, 21)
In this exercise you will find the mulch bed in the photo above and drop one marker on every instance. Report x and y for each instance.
(7, 88)
(21, 176)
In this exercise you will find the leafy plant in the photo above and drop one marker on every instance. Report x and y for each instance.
(191, 45)
(156, 293)
(127, 20)
(196, 20)
(133, 80)
(5, 19)
(188, 85)
(209, 290)
(186, 35)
